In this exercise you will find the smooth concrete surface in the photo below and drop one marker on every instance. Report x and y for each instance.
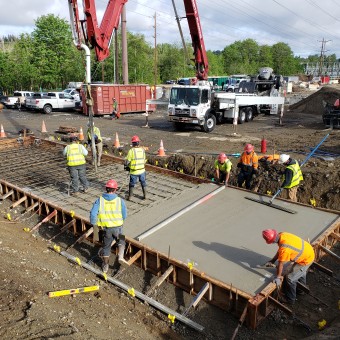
(223, 236)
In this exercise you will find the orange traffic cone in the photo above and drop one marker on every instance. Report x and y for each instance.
(43, 127)
(81, 134)
(2, 132)
(161, 151)
(116, 143)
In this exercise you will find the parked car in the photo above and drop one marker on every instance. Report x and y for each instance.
(51, 101)
(19, 97)
(74, 93)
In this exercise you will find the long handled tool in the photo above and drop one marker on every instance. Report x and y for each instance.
(270, 203)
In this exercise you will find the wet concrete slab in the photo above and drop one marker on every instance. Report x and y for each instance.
(222, 236)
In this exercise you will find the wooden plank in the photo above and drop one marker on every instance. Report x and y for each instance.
(22, 199)
(160, 280)
(63, 229)
(322, 268)
(197, 298)
(336, 236)
(81, 238)
(11, 192)
(46, 219)
(134, 257)
(329, 252)
(34, 205)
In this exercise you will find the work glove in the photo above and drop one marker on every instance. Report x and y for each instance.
(269, 264)
(278, 282)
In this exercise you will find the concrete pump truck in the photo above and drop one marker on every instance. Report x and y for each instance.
(198, 104)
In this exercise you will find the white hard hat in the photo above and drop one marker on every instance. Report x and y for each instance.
(283, 158)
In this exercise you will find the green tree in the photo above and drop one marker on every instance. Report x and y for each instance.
(265, 56)
(215, 64)
(283, 59)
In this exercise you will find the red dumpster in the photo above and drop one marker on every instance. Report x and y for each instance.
(130, 98)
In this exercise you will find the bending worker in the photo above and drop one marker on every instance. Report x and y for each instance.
(115, 114)
(108, 213)
(222, 168)
(291, 177)
(248, 164)
(75, 154)
(135, 163)
(97, 141)
(294, 249)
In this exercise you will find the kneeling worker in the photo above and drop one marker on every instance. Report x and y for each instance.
(294, 249)
(248, 164)
(291, 177)
(222, 168)
(108, 213)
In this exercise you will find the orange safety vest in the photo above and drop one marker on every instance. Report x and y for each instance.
(293, 248)
(249, 160)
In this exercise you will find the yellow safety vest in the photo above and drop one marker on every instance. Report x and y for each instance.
(96, 132)
(297, 175)
(136, 157)
(75, 155)
(110, 213)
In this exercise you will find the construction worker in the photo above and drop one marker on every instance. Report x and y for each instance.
(115, 114)
(292, 249)
(291, 177)
(135, 163)
(108, 214)
(222, 168)
(248, 164)
(75, 154)
(97, 141)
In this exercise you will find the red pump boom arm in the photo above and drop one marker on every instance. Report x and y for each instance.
(201, 59)
(98, 37)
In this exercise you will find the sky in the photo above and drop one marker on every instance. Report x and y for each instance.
(302, 24)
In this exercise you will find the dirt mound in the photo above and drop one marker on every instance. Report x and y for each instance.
(314, 103)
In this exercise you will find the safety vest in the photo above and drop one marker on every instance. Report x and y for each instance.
(297, 175)
(75, 155)
(224, 167)
(250, 160)
(136, 156)
(294, 248)
(110, 213)
(96, 132)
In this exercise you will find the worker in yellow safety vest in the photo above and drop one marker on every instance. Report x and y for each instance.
(76, 163)
(291, 177)
(292, 249)
(135, 163)
(97, 141)
(108, 214)
(222, 168)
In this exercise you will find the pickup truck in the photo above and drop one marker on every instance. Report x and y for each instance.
(12, 101)
(60, 101)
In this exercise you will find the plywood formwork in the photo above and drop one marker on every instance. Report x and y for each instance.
(197, 227)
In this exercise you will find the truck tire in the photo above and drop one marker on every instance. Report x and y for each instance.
(242, 116)
(209, 123)
(249, 114)
(47, 108)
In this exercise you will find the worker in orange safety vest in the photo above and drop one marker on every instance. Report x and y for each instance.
(248, 165)
(292, 249)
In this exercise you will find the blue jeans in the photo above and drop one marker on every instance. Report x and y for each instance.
(135, 178)
(78, 173)
(111, 234)
(298, 273)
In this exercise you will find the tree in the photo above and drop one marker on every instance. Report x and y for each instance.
(283, 59)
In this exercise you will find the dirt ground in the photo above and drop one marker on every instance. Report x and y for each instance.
(29, 269)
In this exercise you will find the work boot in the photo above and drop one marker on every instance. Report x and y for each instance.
(121, 259)
(144, 192)
(105, 264)
(130, 194)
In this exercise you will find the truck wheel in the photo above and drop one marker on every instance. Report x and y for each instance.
(249, 114)
(209, 123)
(47, 108)
(242, 116)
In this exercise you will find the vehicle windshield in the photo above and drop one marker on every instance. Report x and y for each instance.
(188, 96)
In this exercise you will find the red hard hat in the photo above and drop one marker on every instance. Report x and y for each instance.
(269, 235)
(222, 157)
(248, 148)
(111, 183)
(135, 139)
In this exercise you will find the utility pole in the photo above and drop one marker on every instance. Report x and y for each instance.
(322, 55)
(116, 60)
(155, 54)
(124, 48)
